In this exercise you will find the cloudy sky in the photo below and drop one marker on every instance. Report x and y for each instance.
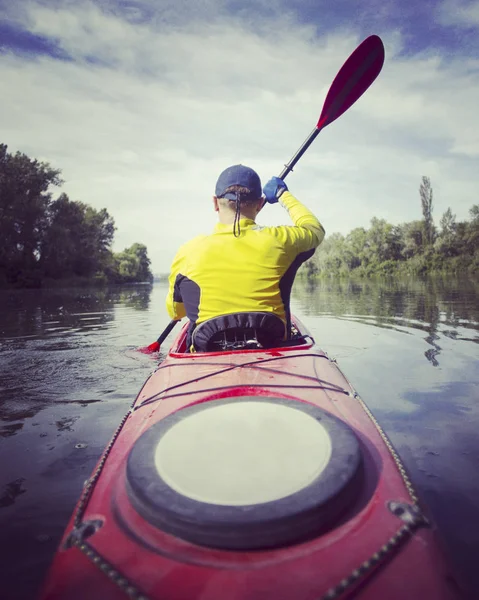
(142, 103)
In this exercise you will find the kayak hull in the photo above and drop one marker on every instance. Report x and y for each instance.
(380, 546)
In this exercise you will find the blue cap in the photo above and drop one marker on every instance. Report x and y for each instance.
(238, 175)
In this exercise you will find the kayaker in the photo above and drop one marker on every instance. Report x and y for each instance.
(240, 276)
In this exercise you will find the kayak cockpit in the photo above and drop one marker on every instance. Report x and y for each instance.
(241, 332)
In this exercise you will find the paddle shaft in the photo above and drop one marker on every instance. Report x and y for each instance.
(166, 332)
(304, 146)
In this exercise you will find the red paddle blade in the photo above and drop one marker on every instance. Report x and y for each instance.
(154, 347)
(353, 79)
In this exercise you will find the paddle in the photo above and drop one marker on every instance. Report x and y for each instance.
(155, 346)
(352, 80)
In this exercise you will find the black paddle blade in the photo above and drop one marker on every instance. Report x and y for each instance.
(353, 79)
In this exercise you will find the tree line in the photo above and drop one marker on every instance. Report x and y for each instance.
(43, 239)
(416, 247)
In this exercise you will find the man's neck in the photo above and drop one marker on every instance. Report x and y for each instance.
(229, 218)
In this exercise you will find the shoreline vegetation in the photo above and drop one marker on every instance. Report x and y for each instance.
(47, 242)
(413, 248)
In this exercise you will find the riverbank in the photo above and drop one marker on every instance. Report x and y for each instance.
(417, 266)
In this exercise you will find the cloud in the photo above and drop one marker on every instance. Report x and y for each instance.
(459, 13)
(149, 109)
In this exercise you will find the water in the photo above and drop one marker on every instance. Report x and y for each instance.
(69, 370)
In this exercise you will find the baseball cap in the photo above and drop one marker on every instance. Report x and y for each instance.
(238, 175)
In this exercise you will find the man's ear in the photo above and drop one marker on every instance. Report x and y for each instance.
(215, 203)
(261, 203)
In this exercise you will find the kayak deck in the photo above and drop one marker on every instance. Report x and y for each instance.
(379, 544)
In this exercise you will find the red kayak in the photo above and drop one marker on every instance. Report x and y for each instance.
(249, 475)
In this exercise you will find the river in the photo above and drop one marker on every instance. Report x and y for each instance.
(69, 370)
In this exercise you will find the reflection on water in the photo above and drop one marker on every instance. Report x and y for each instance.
(52, 346)
(40, 313)
(11, 491)
(69, 371)
(440, 307)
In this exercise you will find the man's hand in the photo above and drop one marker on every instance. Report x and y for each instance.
(273, 189)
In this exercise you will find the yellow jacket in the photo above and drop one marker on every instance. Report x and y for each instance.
(220, 274)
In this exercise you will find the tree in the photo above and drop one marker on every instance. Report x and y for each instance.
(383, 242)
(412, 236)
(447, 242)
(41, 237)
(77, 241)
(472, 237)
(329, 258)
(132, 265)
(448, 223)
(141, 253)
(24, 200)
(62, 241)
(97, 238)
(354, 253)
(425, 192)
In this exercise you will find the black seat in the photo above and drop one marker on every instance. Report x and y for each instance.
(239, 331)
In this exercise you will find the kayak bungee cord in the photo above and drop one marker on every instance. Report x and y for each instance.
(411, 515)
(382, 433)
(405, 532)
(115, 576)
(245, 386)
(82, 530)
(255, 365)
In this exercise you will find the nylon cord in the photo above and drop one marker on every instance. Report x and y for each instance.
(237, 215)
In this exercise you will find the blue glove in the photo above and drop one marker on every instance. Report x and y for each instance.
(273, 189)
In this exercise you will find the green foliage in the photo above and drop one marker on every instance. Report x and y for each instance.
(24, 201)
(45, 239)
(412, 237)
(448, 243)
(77, 240)
(354, 250)
(472, 234)
(425, 192)
(132, 265)
(414, 248)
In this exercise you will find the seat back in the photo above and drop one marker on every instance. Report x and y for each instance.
(238, 331)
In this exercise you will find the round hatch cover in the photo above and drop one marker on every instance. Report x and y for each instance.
(244, 473)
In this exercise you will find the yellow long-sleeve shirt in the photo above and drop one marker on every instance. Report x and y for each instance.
(220, 274)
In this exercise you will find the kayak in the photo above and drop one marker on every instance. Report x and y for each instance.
(250, 474)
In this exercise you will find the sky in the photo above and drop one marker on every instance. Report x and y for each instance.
(142, 103)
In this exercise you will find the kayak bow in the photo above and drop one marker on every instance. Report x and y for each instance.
(248, 475)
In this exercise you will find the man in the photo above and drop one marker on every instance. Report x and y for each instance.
(242, 274)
